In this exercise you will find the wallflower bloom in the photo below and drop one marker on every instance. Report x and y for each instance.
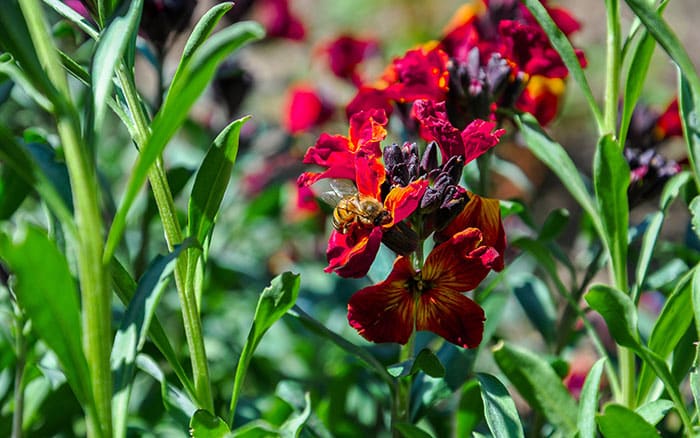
(304, 109)
(351, 254)
(278, 20)
(472, 141)
(432, 298)
(337, 153)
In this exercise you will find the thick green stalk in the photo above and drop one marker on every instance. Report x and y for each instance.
(173, 236)
(402, 397)
(95, 292)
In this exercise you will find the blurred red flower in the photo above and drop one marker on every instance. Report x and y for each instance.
(346, 53)
(278, 20)
(304, 109)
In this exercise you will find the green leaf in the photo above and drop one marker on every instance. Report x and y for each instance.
(655, 410)
(201, 31)
(183, 92)
(588, 402)
(554, 224)
(618, 421)
(9, 67)
(694, 208)
(175, 401)
(13, 191)
(646, 251)
(131, 335)
(206, 425)
(563, 46)
(67, 12)
(535, 299)
(293, 426)
(611, 177)
(673, 188)
(499, 408)
(425, 361)
(255, 429)
(409, 430)
(211, 181)
(539, 384)
(111, 45)
(274, 302)
(471, 409)
(695, 379)
(634, 83)
(554, 156)
(688, 103)
(618, 311)
(669, 328)
(664, 35)
(46, 291)
(696, 299)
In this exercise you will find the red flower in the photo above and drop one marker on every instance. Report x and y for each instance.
(541, 98)
(474, 140)
(351, 254)
(278, 20)
(338, 153)
(432, 298)
(304, 109)
(669, 122)
(346, 53)
(368, 98)
(420, 74)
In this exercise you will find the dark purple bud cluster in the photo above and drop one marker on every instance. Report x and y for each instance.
(163, 18)
(649, 172)
(475, 88)
(232, 84)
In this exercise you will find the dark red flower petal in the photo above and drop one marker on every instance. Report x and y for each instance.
(346, 53)
(367, 130)
(420, 74)
(478, 137)
(402, 201)
(368, 98)
(541, 98)
(384, 312)
(452, 316)
(304, 109)
(669, 123)
(351, 255)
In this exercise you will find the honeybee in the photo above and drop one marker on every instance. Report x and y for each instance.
(352, 207)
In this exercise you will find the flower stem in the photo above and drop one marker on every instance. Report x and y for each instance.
(20, 367)
(173, 236)
(401, 413)
(94, 288)
(613, 66)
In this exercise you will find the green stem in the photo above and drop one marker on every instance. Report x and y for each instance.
(94, 288)
(173, 236)
(613, 61)
(401, 411)
(21, 351)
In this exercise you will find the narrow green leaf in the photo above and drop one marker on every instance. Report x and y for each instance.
(673, 188)
(111, 46)
(688, 104)
(588, 402)
(618, 421)
(67, 12)
(554, 224)
(611, 177)
(182, 94)
(534, 297)
(696, 299)
(562, 44)
(293, 426)
(695, 376)
(409, 430)
(425, 361)
(131, 335)
(9, 67)
(664, 35)
(635, 79)
(669, 328)
(175, 401)
(539, 384)
(13, 191)
(206, 425)
(255, 429)
(618, 311)
(646, 251)
(274, 302)
(201, 31)
(499, 408)
(46, 291)
(553, 155)
(655, 410)
(211, 181)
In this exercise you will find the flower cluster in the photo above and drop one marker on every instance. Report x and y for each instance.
(493, 54)
(402, 199)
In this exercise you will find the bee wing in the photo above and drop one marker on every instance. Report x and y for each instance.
(331, 190)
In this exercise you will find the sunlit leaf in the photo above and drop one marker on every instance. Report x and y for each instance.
(588, 402)
(409, 430)
(618, 311)
(499, 408)
(46, 291)
(471, 409)
(619, 421)
(425, 361)
(655, 410)
(206, 425)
